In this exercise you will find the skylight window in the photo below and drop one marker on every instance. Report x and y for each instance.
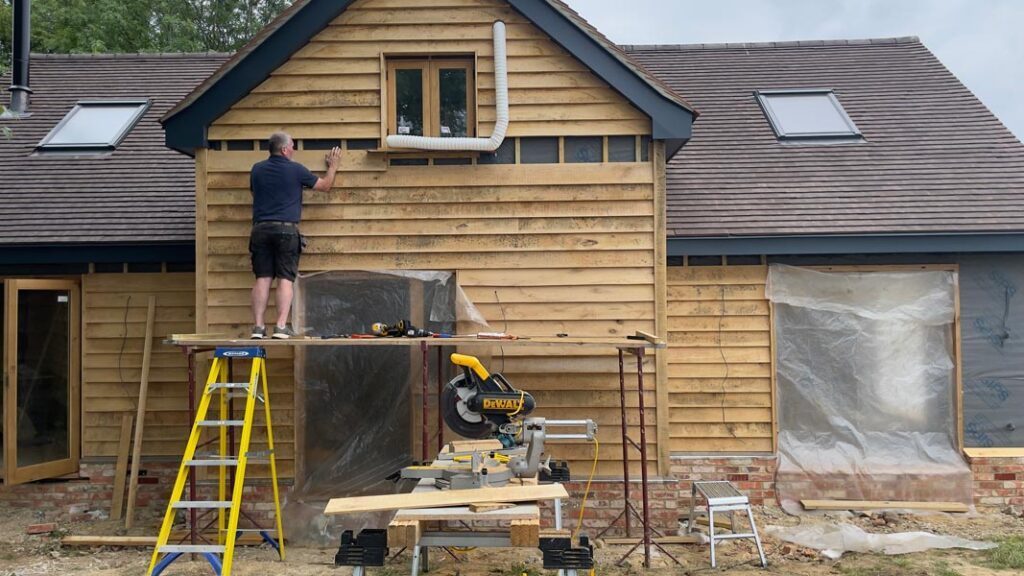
(806, 114)
(95, 125)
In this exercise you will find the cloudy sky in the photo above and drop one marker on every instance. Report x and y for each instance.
(981, 41)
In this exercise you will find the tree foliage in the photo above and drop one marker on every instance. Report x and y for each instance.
(83, 26)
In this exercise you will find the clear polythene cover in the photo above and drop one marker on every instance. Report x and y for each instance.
(865, 376)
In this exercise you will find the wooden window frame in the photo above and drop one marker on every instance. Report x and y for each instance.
(431, 67)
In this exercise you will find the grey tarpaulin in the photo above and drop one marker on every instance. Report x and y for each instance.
(865, 377)
(992, 324)
(354, 414)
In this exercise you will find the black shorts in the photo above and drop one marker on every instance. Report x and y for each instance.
(275, 250)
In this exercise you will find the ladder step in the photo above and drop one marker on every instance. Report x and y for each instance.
(253, 530)
(221, 422)
(189, 504)
(259, 397)
(192, 548)
(213, 462)
(230, 386)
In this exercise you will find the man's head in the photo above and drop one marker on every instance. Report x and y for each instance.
(281, 144)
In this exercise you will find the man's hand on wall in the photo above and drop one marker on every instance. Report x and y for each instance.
(333, 158)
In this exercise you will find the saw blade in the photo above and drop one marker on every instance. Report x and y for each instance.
(456, 412)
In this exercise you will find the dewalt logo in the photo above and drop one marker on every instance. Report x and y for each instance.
(500, 404)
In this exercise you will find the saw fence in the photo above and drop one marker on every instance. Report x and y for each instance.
(637, 346)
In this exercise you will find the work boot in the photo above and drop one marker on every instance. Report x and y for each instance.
(258, 332)
(283, 332)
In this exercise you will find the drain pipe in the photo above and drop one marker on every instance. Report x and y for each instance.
(501, 103)
(21, 37)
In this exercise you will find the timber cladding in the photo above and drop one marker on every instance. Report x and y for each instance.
(114, 314)
(541, 249)
(720, 359)
(331, 88)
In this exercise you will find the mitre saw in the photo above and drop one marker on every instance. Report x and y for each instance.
(480, 405)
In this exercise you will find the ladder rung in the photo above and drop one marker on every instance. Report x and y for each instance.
(188, 504)
(230, 385)
(259, 397)
(213, 462)
(193, 548)
(221, 422)
(247, 530)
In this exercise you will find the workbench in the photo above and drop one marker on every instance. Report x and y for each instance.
(192, 344)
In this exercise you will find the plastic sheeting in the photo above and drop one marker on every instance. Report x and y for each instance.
(836, 539)
(354, 415)
(865, 380)
(992, 323)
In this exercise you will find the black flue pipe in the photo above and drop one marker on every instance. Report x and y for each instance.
(21, 46)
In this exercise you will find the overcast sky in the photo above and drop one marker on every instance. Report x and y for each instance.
(981, 41)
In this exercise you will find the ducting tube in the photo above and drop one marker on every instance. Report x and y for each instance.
(501, 103)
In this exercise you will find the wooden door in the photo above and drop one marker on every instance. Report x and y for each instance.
(41, 379)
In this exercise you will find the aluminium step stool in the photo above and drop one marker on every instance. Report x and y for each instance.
(722, 496)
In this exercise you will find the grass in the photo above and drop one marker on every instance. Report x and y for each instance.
(1009, 555)
(941, 568)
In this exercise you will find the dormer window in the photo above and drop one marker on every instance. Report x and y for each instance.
(814, 115)
(431, 97)
(95, 125)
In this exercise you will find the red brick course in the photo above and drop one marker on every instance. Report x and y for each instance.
(997, 482)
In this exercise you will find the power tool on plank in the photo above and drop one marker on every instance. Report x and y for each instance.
(479, 405)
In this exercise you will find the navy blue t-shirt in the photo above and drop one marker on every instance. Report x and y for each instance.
(276, 184)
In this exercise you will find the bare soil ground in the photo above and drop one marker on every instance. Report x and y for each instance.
(24, 555)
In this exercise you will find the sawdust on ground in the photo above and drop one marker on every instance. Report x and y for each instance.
(24, 555)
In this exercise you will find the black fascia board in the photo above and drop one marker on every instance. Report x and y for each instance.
(186, 130)
(179, 252)
(669, 120)
(846, 244)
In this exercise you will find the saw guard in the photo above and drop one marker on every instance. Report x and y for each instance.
(456, 412)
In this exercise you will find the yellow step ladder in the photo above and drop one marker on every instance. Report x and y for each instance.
(255, 390)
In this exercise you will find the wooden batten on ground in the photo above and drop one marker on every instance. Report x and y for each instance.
(882, 505)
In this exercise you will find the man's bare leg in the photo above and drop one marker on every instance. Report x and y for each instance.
(284, 301)
(260, 296)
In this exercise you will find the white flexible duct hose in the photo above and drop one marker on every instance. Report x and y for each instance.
(500, 101)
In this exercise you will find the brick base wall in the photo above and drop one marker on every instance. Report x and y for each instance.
(90, 496)
(998, 481)
(668, 497)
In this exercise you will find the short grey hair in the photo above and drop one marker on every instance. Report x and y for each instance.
(278, 140)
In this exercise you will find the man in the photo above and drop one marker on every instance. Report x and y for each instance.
(275, 243)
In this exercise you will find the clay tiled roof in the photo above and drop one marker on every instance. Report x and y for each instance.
(934, 160)
(140, 193)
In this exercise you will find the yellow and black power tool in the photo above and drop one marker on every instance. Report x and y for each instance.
(478, 404)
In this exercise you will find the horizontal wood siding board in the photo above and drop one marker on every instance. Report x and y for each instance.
(541, 249)
(720, 359)
(114, 324)
(340, 67)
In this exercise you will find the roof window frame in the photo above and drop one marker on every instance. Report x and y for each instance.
(142, 105)
(763, 96)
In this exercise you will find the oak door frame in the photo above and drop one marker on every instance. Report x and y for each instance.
(12, 473)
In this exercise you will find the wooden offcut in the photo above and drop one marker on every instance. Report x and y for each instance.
(489, 506)
(121, 470)
(882, 505)
(403, 533)
(524, 533)
(443, 498)
(133, 479)
(687, 539)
